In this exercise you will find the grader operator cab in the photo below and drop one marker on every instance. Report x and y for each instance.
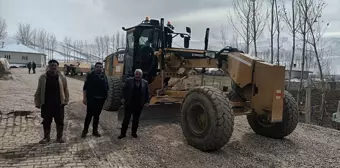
(206, 113)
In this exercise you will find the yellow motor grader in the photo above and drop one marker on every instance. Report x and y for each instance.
(206, 113)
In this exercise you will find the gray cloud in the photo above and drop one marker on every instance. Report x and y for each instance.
(85, 19)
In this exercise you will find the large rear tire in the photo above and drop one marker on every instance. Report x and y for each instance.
(277, 130)
(207, 119)
(113, 101)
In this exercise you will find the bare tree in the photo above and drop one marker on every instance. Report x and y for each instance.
(24, 33)
(34, 38)
(316, 31)
(42, 39)
(3, 28)
(278, 12)
(48, 45)
(316, 8)
(98, 46)
(272, 16)
(117, 39)
(122, 40)
(304, 10)
(259, 19)
(86, 50)
(292, 24)
(102, 46)
(113, 41)
(53, 44)
(67, 48)
(75, 49)
(107, 44)
(235, 39)
(221, 37)
(242, 11)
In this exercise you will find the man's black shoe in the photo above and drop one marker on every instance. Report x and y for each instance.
(45, 141)
(121, 136)
(83, 135)
(96, 134)
(60, 140)
(134, 135)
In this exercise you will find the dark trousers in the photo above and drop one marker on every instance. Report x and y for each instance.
(48, 113)
(94, 108)
(33, 70)
(29, 70)
(135, 111)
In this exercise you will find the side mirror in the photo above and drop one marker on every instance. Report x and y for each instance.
(186, 42)
(188, 30)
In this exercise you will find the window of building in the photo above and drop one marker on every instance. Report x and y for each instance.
(8, 56)
(24, 57)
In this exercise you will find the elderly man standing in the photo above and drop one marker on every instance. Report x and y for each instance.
(136, 96)
(94, 96)
(51, 97)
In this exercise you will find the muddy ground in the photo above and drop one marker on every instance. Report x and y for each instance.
(163, 145)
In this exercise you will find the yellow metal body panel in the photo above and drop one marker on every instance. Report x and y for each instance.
(107, 64)
(269, 81)
(117, 68)
(240, 67)
(165, 99)
(184, 50)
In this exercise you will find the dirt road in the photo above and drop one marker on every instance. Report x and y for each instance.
(163, 145)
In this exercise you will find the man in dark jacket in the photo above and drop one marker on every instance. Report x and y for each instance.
(135, 96)
(34, 66)
(29, 66)
(51, 96)
(94, 95)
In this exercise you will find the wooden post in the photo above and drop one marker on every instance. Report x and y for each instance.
(308, 107)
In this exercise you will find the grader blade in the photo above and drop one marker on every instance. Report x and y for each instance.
(160, 112)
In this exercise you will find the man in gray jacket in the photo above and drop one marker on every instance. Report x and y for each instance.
(135, 96)
(51, 96)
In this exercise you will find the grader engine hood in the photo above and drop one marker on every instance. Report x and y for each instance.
(186, 53)
(181, 60)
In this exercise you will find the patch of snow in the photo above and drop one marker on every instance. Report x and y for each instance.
(295, 80)
(17, 65)
(19, 48)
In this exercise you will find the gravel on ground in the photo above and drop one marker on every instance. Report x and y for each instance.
(163, 144)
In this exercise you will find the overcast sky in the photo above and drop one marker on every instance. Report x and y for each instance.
(85, 19)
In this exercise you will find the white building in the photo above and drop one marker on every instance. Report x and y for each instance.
(18, 55)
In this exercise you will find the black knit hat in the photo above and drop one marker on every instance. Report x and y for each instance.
(98, 63)
(53, 61)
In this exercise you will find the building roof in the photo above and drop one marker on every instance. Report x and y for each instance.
(14, 47)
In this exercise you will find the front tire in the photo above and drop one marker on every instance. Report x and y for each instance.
(113, 101)
(277, 130)
(207, 118)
